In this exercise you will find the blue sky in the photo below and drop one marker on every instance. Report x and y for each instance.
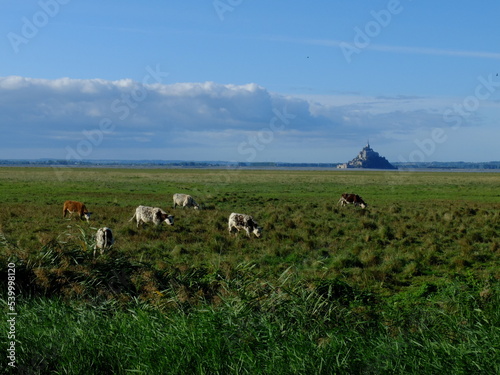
(250, 80)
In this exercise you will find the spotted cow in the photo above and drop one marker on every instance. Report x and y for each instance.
(246, 222)
(155, 215)
(354, 199)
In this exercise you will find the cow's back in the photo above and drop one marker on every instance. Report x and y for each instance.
(74, 206)
(178, 197)
(237, 220)
(104, 238)
(183, 200)
(144, 213)
(241, 220)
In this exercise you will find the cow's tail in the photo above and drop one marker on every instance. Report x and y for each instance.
(133, 217)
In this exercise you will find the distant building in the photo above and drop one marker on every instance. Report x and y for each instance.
(368, 158)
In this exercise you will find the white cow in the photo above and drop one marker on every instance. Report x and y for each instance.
(246, 222)
(185, 200)
(155, 215)
(103, 239)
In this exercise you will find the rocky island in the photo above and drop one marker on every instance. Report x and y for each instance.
(368, 158)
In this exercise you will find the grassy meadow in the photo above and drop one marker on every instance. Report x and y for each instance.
(408, 286)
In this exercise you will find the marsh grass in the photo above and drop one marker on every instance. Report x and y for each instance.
(408, 286)
(322, 327)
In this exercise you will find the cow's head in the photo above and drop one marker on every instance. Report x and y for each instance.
(163, 217)
(86, 215)
(168, 219)
(197, 206)
(257, 231)
(360, 201)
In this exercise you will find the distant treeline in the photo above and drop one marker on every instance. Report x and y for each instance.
(451, 165)
(226, 164)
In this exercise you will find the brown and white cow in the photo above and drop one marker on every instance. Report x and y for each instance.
(103, 239)
(185, 200)
(246, 222)
(155, 215)
(78, 207)
(354, 199)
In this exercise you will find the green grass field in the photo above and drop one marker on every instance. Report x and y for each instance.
(408, 286)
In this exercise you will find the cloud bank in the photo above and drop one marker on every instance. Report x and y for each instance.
(98, 119)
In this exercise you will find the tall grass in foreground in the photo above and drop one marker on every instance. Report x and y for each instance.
(293, 330)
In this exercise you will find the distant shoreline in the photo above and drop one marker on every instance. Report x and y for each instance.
(493, 166)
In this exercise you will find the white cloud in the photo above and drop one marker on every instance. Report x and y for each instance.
(124, 119)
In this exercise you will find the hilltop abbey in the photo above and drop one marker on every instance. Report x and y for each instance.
(368, 158)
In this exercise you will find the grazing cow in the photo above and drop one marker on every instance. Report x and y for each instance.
(246, 222)
(103, 239)
(185, 200)
(155, 215)
(73, 206)
(352, 199)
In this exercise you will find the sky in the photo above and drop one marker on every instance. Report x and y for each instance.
(250, 81)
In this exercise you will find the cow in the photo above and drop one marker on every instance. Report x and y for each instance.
(155, 215)
(78, 207)
(185, 200)
(103, 239)
(354, 199)
(246, 222)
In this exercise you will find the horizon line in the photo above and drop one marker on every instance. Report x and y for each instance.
(125, 161)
